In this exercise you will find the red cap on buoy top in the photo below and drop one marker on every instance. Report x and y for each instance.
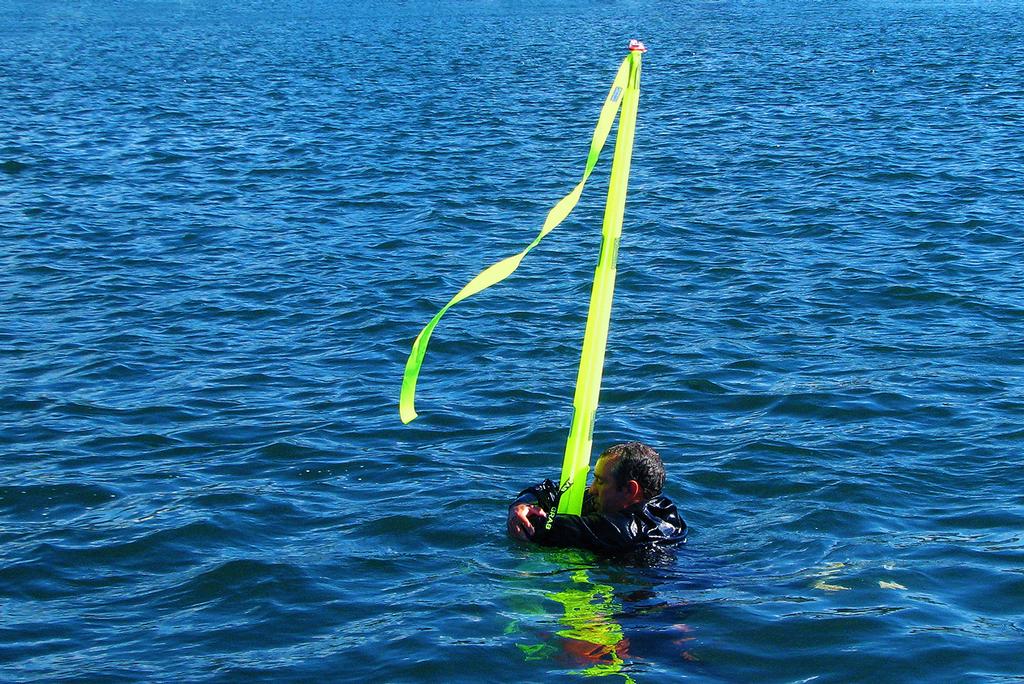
(636, 46)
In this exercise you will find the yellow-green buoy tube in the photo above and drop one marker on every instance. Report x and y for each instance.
(576, 462)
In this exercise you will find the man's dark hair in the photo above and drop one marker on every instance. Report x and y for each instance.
(637, 461)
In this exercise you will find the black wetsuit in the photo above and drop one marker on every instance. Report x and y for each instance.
(654, 523)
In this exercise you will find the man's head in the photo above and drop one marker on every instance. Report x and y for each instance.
(626, 474)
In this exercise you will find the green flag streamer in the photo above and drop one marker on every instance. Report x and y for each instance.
(501, 270)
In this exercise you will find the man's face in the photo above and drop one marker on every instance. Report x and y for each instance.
(605, 489)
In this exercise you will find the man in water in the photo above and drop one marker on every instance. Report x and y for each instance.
(623, 509)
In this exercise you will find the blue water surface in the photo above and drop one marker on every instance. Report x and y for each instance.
(223, 224)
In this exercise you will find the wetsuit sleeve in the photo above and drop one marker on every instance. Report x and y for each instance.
(542, 495)
(598, 532)
(595, 531)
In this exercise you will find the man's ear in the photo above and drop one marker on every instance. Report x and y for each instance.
(634, 490)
